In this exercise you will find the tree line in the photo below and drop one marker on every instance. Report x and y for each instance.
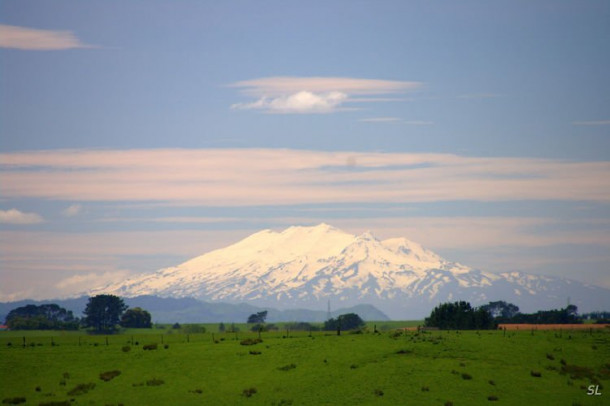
(103, 314)
(462, 316)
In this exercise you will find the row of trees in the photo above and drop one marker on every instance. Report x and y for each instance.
(103, 314)
(462, 316)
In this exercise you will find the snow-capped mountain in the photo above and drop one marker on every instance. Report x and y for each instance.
(307, 266)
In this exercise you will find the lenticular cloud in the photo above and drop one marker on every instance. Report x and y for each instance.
(300, 102)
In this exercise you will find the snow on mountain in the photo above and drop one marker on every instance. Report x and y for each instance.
(307, 266)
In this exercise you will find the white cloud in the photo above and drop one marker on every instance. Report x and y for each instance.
(38, 40)
(72, 210)
(81, 283)
(14, 216)
(300, 102)
(592, 123)
(243, 177)
(380, 119)
(314, 94)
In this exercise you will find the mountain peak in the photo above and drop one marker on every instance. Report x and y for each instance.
(309, 265)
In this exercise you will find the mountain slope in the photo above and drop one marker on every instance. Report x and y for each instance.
(306, 266)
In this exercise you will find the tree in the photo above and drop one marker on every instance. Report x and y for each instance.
(42, 317)
(258, 317)
(501, 309)
(136, 318)
(459, 316)
(221, 328)
(349, 321)
(103, 312)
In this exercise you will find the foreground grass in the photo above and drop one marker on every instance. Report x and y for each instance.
(393, 367)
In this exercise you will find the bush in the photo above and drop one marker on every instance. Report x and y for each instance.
(155, 382)
(466, 376)
(81, 389)
(287, 367)
(150, 347)
(535, 374)
(378, 392)
(255, 353)
(492, 398)
(248, 392)
(55, 403)
(251, 341)
(109, 375)
(13, 401)
(550, 357)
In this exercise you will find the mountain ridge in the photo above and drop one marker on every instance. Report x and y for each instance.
(305, 266)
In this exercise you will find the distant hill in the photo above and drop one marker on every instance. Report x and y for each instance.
(189, 310)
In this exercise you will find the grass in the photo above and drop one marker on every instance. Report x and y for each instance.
(386, 368)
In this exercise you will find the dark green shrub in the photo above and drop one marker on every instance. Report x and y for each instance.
(81, 389)
(492, 398)
(155, 382)
(466, 376)
(197, 391)
(255, 353)
(251, 341)
(535, 374)
(126, 348)
(150, 347)
(38, 389)
(448, 403)
(492, 383)
(404, 352)
(550, 356)
(109, 375)
(378, 392)
(248, 392)
(166, 346)
(13, 401)
(55, 403)
(287, 367)
(425, 389)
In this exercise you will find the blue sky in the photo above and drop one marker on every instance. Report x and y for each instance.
(135, 135)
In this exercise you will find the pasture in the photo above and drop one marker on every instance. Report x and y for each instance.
(392, 367)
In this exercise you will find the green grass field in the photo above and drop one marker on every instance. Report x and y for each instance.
(392, 368)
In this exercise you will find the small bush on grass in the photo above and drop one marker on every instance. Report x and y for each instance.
(425, 389)
(466, 376)
(448, 403)
(255, 353)
(251, 341)
(109, 375)
(378, 392)
(248, 392)
(197, 391)
(492, 398)
(150, 347)
(155, 382)
(353, 366)
(550, 356)
(55, 403)
(126, 348)
(287, 367)
(492, 383)
(81, 389)
(535, 374)
(13, 401)
(404, 352)
(166, 346)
